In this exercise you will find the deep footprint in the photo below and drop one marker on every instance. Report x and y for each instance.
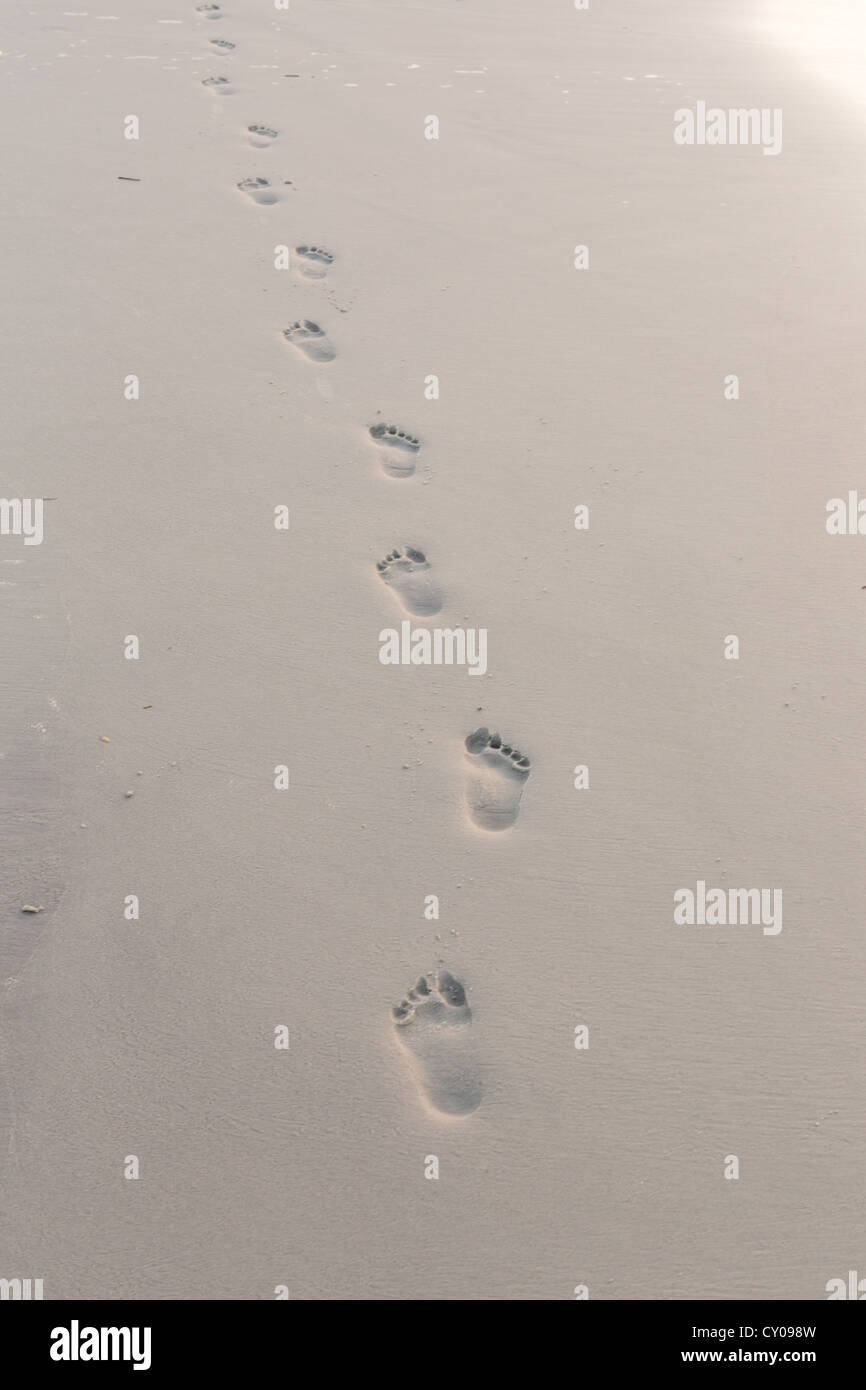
(397, 449)
(434, 1026)
(407, 572)
(496, 781)
(313, 261)
(210, 11)
(220, 86)
(312, 341)
(260, 191)
(261, 136)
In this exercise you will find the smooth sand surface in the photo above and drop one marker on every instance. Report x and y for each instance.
(259, 647)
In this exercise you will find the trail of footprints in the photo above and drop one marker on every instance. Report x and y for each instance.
(433, 1022)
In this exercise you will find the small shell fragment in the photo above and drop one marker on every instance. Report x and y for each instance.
(28, 907)
(103, 738)
(130, 793)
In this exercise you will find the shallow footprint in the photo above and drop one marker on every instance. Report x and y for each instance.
(210, 11)
(496, 783)
(220, 86)
(224, 45)
(260, 191)
(433, 1025)
(261, 136)
(313, 261)
(312, 341)
(397, 449)
(408, 573)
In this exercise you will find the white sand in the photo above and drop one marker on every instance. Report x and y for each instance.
(258, 647)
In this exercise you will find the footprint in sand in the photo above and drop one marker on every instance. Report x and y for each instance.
(261, 136)
(224, 45)
(260, 191)
(408, 573)
(311, 340)
(313, 261)
(209, 11)
(434, 1026)
(219, 86)
(496, 782)
(397, 449)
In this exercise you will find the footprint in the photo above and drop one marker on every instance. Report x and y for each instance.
(433, 1024)
(397, 449)
(408, 572)
(261, 136)
(224, 45)
(313, 261)
(260, 191)
(312, 341)
(499, 774)
(220, 86)
(210, 11)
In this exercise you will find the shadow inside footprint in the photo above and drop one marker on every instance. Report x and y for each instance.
(260, 191)
(434, 1026)
(313, 261)
(497, 778)
(312, 341)
(210, 11)
(407, 572)
(397, 450)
